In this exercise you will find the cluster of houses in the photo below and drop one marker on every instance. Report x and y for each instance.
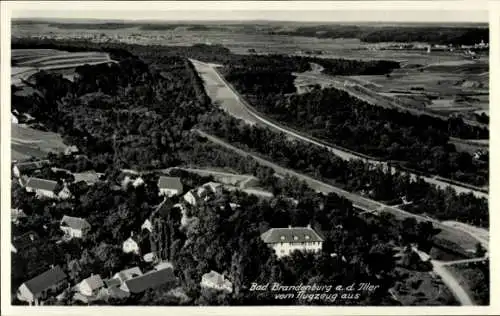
(131, 281)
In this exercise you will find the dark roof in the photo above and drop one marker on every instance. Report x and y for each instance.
(32, 165)
(41, 184)
(173, 183)
(24, 240)
(46, 280)
(112, 283)
(150, 280)
(291, 234)
(75, 222)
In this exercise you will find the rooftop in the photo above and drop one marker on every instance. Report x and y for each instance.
(41, 184)
(46, 280)
(25, 240)
(128, 273)
(74, 222)
(94, 282)
(173, 183)
(290, 235)
(150, 280)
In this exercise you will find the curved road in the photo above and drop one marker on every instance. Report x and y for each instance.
(218, 89)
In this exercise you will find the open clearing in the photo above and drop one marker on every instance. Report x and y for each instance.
(27, 142)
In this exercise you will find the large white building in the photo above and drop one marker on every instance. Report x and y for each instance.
(284, 241)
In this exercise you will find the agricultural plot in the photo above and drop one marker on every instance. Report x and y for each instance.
(443, 88)
(27, 142)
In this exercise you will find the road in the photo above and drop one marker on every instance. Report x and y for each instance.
(230, 101)
(449, 280)
(459, 236)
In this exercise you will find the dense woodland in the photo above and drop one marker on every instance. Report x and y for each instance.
(138, 114)
(416, 142)
(354, 175)
(427, 34)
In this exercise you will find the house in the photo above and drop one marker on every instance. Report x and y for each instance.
(71, 150)
(137, 244)
(215, 280)
(194, 196)
(170, 186)
(74, 227)
(286, 240)
(24, 168)
(147, 226)
(137, 182)
(127, 274)
(149, 280)
(23, 241)
(46, 284)
(47, 188)
(91, 285)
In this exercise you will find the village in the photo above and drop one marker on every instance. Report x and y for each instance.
(145, 242)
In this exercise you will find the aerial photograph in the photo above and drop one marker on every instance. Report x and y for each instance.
(262, 161)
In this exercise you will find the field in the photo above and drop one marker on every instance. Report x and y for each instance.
(26, 62)
(27, 142)
(444, 88)
(473, 279)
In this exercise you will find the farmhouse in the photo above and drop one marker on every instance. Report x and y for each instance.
(74, 227)
(47, 188)
(284, 241)
(23, 241)
(91, 285)
(24, 168)
(42, 286)
(216, 281)
(170, 186)
(149, 280)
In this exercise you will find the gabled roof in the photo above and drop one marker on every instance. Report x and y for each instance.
(172, 183)
(128, 273)
(95, 282)
(25, 240)
(41, 184)
(45, 280)
(32, 165)
(150, 280)
(74, 222)
(291, 234)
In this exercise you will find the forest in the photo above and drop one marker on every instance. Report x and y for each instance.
(158, 108)
(414, 141)
(138, 114)
(427, 34)
(353, 175)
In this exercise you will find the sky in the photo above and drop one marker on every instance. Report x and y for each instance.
(326, 11)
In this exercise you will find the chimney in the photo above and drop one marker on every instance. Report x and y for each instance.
(289, 226)
(308, 225)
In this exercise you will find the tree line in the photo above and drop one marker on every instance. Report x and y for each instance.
(416, 141)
